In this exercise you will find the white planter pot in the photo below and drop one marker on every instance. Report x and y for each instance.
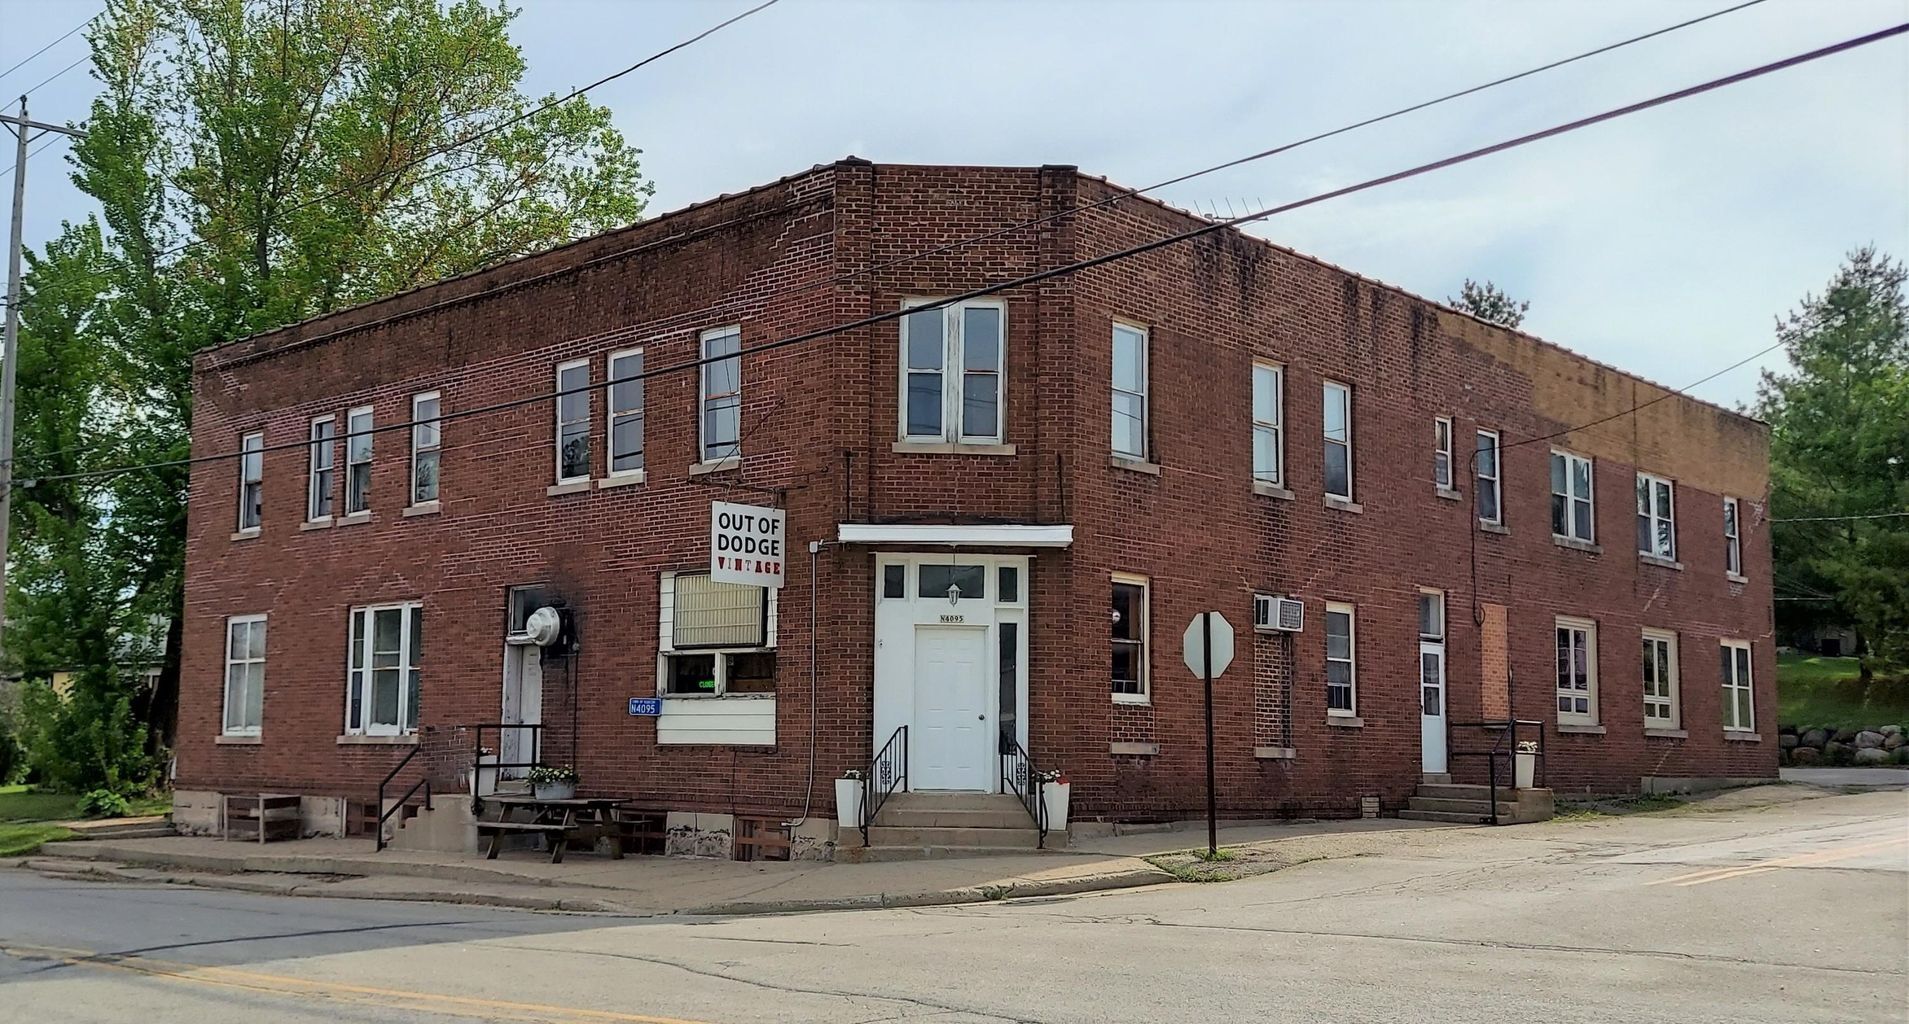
(554, 790)
(484, 779)
(1524, 769)
(848, 803)
(1055, 796)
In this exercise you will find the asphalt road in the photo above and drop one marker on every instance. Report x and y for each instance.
(1792, 912)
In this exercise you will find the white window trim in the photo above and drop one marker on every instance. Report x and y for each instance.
(1145, 696)
(1732, 537)
(1570, 508)
(407, 663)
(1675, 697)
(703, 397)
(666, 645)
(1351, 659)
(246, 450)
(1654, 480)
(1497, 477)
(1445, 449)
(1589, 627)
(437, 429)
(1277, 425)
(351, 462)
(556, 440)
(1443, 626)
(1146, 410)
(1731, 684)
(225, 710)
(1352, 486)
(312, 469)
(611, 415)
(953, 377)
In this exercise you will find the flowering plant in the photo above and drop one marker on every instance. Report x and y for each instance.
(547, 774)
(1052, 776)
(1527, 746)
(852, 773)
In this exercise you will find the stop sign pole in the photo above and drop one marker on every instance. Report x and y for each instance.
(1207, 650)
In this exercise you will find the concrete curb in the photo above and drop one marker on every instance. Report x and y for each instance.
(1102, 882)
(294, 864)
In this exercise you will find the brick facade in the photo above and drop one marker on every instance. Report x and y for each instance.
(819, 425)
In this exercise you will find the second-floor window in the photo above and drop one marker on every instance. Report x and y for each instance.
(251, 485)
(426, 436)
(318, 486)
(1130, 392)
(953, 364)
(1269, 401)
(1490, 509)
(358, 460)
(720, 405)
(1338, 421)
(1442, 453)
(626, 412)
(573, 421)
(1656, 517)
(1732, 539)
(1571, 516)
(387, 649)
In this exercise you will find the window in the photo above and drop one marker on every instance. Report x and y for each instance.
(425, 438)
(1571, 515)
(1338, 441)
(934, 581)
(1732, 539)
(1577, 671)
(1442, 453)
(625, 398)
(953, 359)
(1739, 702)
(387, 646)
(1130, 678)
(1342, 680)
(719, 637)
(573, 421)
(1660, 679)
(722, 395)
(1431, 615)
(894, 581)
(244, 674)
(1269, 417)
(358, 460)
(318, 491)
(1656, 523)
(1009, 591)
(251, 475)
(1490, 509)
(1130, 392)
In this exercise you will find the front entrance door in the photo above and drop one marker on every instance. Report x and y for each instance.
(1431, 684)
(523, 705)
(950, 746)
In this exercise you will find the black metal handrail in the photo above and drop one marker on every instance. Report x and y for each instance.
(478, 765)
(1506, 732)
(385, 813)
(1021, 778)
(887, 772)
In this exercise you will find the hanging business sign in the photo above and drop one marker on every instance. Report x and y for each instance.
(747, 544)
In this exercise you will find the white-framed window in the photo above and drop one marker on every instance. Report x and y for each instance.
(1338, 422)
(1442, 452)
(244, 674)
(1130, 392)
(1739, 698)
(1269, 418)
(426, 437)
(1660, 679)
(1431, 614)
(251, 481)
(720, 404)
(624, 396)
(1131, 679)
(1732, 537)
(954, 365)
(1342, 674)
(573, 421)
(1577, 671)
(1572, 514)
(382, 677)
(358, 460)
(1491, 508)
(719, 637)
(319, 473)
(1656, 516)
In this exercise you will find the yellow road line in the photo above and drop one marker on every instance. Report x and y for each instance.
(305, 988)
(1718, 874)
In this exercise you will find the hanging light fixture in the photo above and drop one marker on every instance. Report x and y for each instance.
(954, 593)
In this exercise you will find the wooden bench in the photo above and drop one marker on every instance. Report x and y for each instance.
(640, 831)
(266, 816)
(557, 832)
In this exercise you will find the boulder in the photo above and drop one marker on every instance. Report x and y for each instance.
(1806, 755)
(1871, 756)
(1838, 753)
(1890, 730)
(1815, 738)
(1787, 741)
(1902, 755)
(1786, 730)
(1844, 736)
(1894, 740)
(1867, 739)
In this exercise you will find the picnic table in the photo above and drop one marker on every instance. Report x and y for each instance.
(557, 820)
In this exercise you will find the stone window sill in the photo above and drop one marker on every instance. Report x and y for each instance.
(1740, 736)
(1343, 505)
(355, 518)
(1271, 490)
(1133, 700)
(429, 508)
(1736, 577)
(1569, 728)
(1134, 465)
(236, 740)
(621, 480)
(1275, 753)
(1667, 563)
(1498, 528)
(718, 466)
(944, 448)
(1577, 545)
(251, 534)
(1345, 722)
(355, 740)
(1447, 493)
(1667, 734)
(569, 487)
(1133, 749)
(315, 524)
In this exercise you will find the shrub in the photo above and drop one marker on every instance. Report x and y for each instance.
(103, 803)
(88, 740)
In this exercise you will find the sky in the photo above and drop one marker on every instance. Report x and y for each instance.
(1665, 243)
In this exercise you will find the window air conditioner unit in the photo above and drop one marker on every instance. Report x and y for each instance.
(1273, 614)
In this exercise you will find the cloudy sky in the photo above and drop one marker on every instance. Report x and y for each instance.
(1664, 243)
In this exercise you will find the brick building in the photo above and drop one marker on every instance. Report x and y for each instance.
(1279, 428)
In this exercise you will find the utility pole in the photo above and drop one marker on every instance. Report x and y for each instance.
(22, 128)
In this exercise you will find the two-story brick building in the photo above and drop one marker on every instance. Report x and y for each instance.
(1001, 514)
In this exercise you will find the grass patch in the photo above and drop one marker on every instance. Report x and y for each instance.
(1218, 856)
(1813, 690)
(1586, 810)
(24, 805)
(20, 839)
(1231, 862)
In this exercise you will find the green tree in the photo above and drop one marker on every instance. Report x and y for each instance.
(1839, 447)
(257, 163)
(1488, 302)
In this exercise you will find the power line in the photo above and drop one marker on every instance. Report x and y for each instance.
(49, 46)
(1842, 519)
(1685, 390)
(1071, 268)
(44, 146)
(58, 73)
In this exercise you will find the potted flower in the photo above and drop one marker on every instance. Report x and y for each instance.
(1055, 792)
(848, 800)
(484, 776)
(553, 782)
(1525, 764)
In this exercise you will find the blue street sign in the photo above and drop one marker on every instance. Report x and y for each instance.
(646, 705)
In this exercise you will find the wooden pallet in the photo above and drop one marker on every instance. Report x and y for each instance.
(759, 837)
(262, 816)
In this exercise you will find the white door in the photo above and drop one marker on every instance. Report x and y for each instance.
(1431, 685)
(523, 705)
(949, 741)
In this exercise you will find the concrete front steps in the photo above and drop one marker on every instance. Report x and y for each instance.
(1471, 805)
(150, 827)
(925, 826)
